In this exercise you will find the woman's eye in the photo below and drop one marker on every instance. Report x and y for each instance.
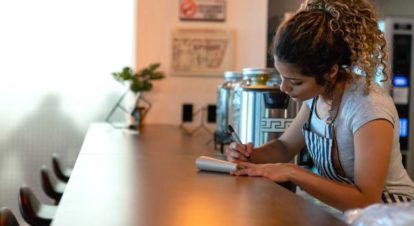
(296, 83)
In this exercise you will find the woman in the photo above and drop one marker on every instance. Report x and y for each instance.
(328, 54)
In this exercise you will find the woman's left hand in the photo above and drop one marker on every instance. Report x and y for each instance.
(278, 172)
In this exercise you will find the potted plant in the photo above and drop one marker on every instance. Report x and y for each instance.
(139, 82)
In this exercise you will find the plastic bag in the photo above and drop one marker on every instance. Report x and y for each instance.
(401, 214)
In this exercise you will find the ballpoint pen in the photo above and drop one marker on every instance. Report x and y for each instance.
(233, 134)
(236, 138)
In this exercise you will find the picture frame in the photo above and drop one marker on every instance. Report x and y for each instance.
(201, 52)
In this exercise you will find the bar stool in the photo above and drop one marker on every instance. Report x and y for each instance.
(7, 217)
(34, 212)
(53, 188)
(62, 174)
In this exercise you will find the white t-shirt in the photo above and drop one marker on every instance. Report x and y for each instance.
(357, 109)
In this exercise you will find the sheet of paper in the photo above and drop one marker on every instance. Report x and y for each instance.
(216, 165)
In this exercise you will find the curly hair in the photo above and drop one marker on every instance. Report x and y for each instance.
(323, 33)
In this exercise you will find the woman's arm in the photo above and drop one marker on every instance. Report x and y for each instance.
(282, 149)
(373, 144)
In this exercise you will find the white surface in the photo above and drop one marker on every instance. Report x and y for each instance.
(55, 78)
(216, 165)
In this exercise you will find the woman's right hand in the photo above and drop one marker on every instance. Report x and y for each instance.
(239, 152)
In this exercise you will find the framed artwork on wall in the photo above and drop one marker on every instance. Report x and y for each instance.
(201, 52)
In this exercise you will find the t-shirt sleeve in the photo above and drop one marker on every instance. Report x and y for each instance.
(309, 103)
(365, 108)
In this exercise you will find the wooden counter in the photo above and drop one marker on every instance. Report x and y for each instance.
(150, 179)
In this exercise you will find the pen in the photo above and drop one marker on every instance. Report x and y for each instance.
(234, 135)
(236, 138)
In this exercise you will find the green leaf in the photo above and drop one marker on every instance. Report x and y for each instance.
(157, 76)
(154, 67)
(140, 81)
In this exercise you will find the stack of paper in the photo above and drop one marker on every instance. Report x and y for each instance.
(216, 165)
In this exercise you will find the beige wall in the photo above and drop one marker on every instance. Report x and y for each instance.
(156, 19)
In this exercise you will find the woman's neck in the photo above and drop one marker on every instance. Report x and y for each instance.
(336, 94)
(330, 105)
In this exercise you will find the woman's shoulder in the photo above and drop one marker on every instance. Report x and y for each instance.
(377, 94)
(360, 107)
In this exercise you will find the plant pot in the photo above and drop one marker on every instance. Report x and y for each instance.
(137, 118)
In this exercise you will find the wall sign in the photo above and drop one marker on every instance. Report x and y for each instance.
(201, 52)
(203, 10)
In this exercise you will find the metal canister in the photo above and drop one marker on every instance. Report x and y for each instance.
(225, 93)
(274, 77)
(256, 76)
(251, 76)
(265, 111)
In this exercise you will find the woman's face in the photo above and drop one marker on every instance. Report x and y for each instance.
(298, 86)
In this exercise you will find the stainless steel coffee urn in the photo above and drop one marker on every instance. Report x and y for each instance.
(224, 115)
(265, 111)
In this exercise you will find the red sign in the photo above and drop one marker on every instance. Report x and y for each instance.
(203, 10)
(188, 8)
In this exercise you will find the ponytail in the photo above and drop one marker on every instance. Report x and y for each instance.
(348, 25)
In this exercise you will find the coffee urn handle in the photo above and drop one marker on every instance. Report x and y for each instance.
(276, 99)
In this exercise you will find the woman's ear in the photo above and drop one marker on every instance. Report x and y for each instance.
(332, 73)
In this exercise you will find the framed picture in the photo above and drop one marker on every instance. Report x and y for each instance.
(203, 10)
(201, 52)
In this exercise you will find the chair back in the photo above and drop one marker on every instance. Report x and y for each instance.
(62, 174)
(7, 217)
(53, 188)
(30, 206)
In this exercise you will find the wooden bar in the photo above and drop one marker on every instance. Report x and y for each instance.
(150, 179)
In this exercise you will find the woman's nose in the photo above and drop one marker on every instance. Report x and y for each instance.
(285, 87)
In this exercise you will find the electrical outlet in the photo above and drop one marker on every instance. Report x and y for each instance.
(187, 112)
(211, 113)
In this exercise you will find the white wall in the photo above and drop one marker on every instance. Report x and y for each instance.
(56, 59)
(156, 19)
